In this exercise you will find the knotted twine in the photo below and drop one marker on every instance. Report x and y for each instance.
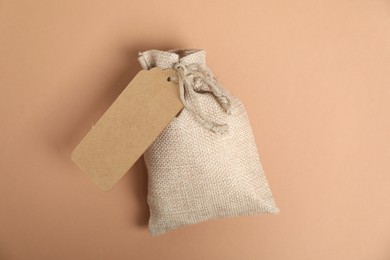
(190, 77)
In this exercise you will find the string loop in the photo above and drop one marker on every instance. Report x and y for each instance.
(194, 78)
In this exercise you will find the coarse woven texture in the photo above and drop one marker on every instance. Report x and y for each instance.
(195, 174)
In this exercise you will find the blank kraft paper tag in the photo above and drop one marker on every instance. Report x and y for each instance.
(128, 127)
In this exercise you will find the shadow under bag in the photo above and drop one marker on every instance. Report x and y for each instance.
(205, 164)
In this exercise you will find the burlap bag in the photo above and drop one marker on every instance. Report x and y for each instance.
(205, 164)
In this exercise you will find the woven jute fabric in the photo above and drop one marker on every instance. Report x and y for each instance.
(196, 174)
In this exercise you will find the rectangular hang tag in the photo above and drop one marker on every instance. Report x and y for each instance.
(128, 127)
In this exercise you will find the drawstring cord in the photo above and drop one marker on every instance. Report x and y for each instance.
(193, 75)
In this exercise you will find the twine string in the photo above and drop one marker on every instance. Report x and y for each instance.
(190, 77)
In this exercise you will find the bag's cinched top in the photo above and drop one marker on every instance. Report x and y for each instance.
(193, 77)
(167, 59)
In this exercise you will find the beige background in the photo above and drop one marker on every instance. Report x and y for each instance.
(314, 76)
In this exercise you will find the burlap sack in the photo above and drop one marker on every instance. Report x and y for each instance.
(205, 164)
